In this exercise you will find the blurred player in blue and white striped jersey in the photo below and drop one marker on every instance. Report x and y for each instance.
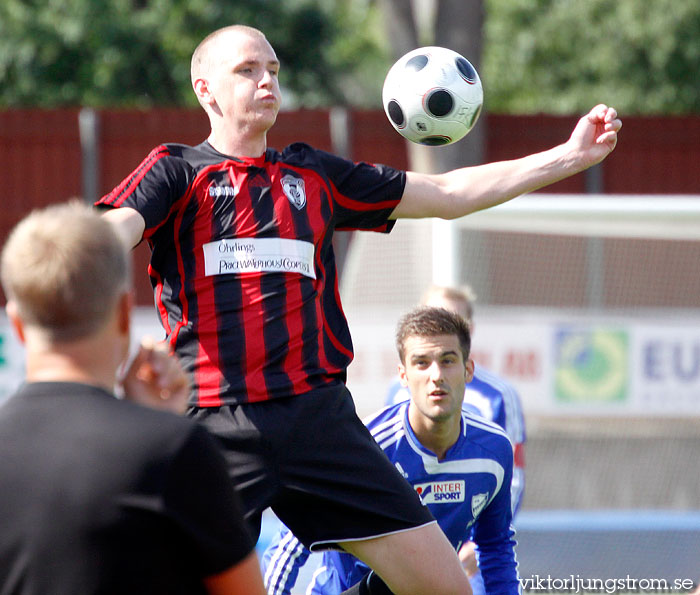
(459, 463)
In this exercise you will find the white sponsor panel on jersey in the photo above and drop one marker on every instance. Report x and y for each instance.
(250, 255)
(437, 492)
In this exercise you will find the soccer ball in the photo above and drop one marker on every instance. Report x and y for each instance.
(432, 96)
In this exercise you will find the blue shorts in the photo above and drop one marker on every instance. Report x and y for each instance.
(311, 459)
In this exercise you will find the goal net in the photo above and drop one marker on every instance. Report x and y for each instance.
(590, 305)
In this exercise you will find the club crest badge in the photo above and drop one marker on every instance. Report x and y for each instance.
(478, 503)
(294, 189)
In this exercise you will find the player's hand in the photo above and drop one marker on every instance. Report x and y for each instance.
(467, 556)
(155, 378)
(595, 135)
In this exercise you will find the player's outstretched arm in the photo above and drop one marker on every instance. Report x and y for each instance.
(466, 190)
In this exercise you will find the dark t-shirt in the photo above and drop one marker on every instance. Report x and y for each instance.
(99, 495)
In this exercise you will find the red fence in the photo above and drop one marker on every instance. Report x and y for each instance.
(40, 151)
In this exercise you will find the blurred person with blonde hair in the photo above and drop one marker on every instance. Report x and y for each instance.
(99, 494)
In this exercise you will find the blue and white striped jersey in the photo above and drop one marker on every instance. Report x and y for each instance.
(467, 492)
(498, 401)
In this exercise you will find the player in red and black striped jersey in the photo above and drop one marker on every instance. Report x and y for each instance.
(242, 264)
(245, 282)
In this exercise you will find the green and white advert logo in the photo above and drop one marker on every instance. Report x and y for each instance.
(591, 366)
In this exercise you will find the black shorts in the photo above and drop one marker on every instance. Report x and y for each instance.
(313, 461)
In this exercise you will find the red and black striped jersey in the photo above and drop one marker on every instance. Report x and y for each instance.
(242, 263)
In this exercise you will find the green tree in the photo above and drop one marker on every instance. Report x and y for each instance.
(136, 52)
(563, 56)
(552, 56)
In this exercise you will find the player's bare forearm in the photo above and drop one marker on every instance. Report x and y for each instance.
(466, 190)
(128, 223)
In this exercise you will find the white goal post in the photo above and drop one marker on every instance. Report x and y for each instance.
(663, 217)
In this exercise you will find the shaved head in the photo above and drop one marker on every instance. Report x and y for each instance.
(206, 53)
(234, 74)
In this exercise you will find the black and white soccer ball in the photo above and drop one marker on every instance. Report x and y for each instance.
(432, 96)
